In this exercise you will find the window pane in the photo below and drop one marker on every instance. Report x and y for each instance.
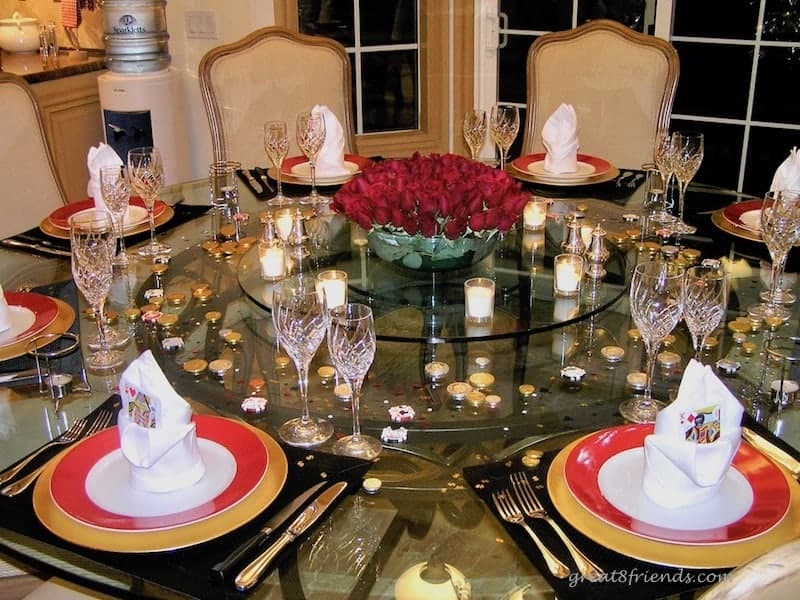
(628, 12)
(388, 22)
(781, 21)
(542, 15)
(716, 19)
(775, 98)
(767, 149)
(331, 18)
(389, 90)
(511, 68)
(723, 151)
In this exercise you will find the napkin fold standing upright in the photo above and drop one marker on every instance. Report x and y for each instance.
(330, 160)
(5, 313)
(694, 441)
(98, 157)
(787, 175)
(560, 138)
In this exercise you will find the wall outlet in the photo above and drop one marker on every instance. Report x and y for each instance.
(200, 24)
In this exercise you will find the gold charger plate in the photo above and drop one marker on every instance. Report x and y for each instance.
(609, 175)
(62, 322)
(718, 219)
(63, 234)
(77, 532)
(712, 556)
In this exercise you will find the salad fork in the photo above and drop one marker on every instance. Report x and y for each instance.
(510, 512)
(533, 508)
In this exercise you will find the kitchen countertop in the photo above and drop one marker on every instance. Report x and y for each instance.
(29, 65)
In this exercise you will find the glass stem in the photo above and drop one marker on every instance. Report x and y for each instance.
(312, 163)
(151, 218)
(121, 237)
(99, 317)
(278, 179)
(302, 384)
(777, 275)
(355, 386)
(650, 349)
(682, 185)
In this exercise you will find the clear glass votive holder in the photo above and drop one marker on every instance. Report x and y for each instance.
(284, 220)
(332, 287)
(534, 214)
(272, 257)
(223, 191)
(567, 274)
(478, 300)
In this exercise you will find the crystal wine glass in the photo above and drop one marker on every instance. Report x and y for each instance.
(92, 242)
(300, 321)
(503, 128)
(662, 157)
(146, 173)
(116, 190)
(687, 154)
(276, 145)
(656, 304)
(310, 137)
(705, 302)
(475, 131)
(351, 343)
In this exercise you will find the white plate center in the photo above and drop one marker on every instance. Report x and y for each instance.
(582, 170)
(304, 170)
(20, 319)
(751, 219)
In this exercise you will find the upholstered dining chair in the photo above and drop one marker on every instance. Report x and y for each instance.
(31, 188)
(621, 83)
(272, 74)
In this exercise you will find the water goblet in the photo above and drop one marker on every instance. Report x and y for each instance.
(300, 322)
(503, 128)
(146, 173)
(687, 154)
(475, 131)
(92, 242)
(351, 343)
(276, 145)
(310, 137)
(116, 191)
(705, 302)
(656, 304)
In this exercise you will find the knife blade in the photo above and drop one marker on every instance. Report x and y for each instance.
(262, 173)
(11, 243)
(18, 376)
(257, 187)
(310, 515)
(223, 569)
(769, 449)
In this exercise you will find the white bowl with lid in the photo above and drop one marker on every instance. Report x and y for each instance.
(19, 34)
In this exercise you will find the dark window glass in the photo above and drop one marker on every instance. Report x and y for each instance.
(722, 151)
(767, 149)
(393, 22)
(714, 80)
(331, 18)
(542, 15)
(628, 12)
(511, 68)
(389, 90)
(775, 99)
(781, 21)
(733, 19)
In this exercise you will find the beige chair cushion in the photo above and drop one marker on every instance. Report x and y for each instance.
(272, 74)
(31, 190)
(622, 84)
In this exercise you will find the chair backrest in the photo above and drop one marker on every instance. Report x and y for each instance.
(272, 74)
(620, 82)
(31, 189)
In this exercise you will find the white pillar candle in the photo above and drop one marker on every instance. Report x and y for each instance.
(273, 261)
(586, 235)
(479, 299)
(332, 286)
(567, 274)
(534, 214)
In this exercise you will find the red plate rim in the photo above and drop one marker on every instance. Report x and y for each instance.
(60, 216)
(771, 495)
(733, 212)
(43, 307)
(601, 165)
(68, 490)
(362, 162)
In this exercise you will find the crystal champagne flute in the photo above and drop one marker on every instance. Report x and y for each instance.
(146, 173)
(276, 145)
(503, 128)
(656, 304)
(310, 137)
(299, 316)
(475, 131)
(705, 302)
(662, 157)
(116, 191)
(351, 343)
(687, 154)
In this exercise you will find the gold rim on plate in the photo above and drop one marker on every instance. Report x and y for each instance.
(59, 325)
(48, 228)
(209, 528)
(609, 175)
(690, 556)
(718, 219)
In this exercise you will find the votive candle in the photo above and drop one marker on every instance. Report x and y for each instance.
(283, 223)
(332, 286)
(534, 214)
(567, 274)
(273, 260)
(479, 299)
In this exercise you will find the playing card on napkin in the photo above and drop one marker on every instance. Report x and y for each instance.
(330, 161)
(787, 175)
(98, 157)
(156, 432)
(694, 441)
(560, 138)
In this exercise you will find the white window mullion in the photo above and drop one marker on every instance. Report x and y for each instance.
(357, 63)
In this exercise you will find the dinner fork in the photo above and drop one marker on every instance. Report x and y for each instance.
(510, 512)
(533, 507)
(100, 421)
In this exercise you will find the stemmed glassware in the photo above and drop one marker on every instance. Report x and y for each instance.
(92, 244)
(656, 304)
(686, 156)
(300, 321)
(146, 173)
(503, 128)
(116, 191)
(705, 302)
(276, 145)
(662, 157)
(310, 137)
(351, 343)
(475, 131)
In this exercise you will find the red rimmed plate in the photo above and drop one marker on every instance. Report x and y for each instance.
(588, 167)
(32, 313)
(59, 218)
(296, 167)
(770, 493)
(77, 484)
(745, 214)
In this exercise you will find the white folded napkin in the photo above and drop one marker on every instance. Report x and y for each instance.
(98, 157)
(330, 160)
(156, 432)
(5, 312)
(787, 175)
(694, 442)
(560, 138)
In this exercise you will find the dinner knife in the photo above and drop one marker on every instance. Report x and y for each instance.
(262, 173)
(310, 515)
(253, 181)
(772, 451)
(11, 243)
(223, 569)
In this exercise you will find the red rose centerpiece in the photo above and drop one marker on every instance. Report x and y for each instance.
(434, 212)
